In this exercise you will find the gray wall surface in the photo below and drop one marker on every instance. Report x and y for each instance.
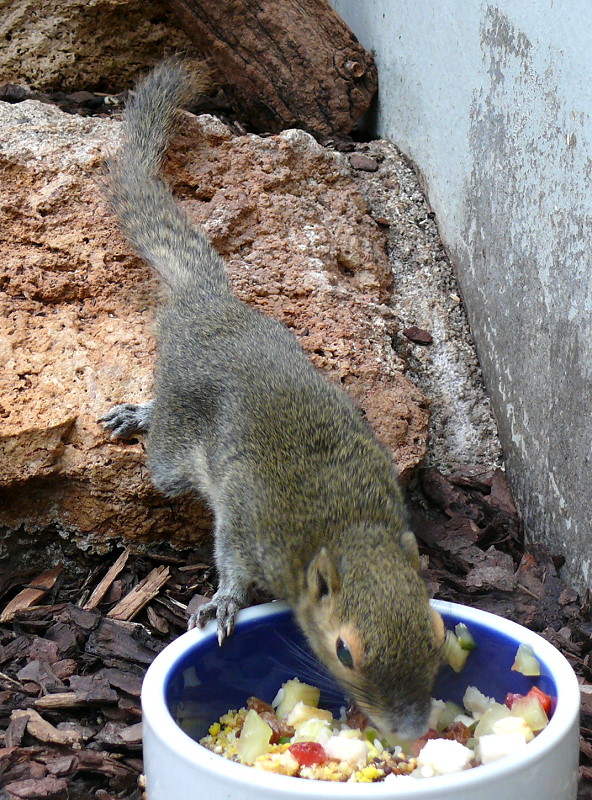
(493, 103)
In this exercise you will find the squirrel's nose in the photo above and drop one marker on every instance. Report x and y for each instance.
(412, 724)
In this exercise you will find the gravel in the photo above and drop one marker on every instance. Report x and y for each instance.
(463, 430)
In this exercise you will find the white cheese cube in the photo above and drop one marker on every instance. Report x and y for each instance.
(444, 756)
(343, 748)
(497, 745)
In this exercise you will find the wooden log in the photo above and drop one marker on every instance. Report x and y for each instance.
(283, 63)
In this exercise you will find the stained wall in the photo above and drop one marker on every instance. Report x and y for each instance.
(493, 102)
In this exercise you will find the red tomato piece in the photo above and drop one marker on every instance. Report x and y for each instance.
(544, 699)
(308, 753)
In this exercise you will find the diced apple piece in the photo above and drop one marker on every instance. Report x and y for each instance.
(313, 730)
(296, 692)
(494, 712)
(448, 715)
(453, 652)
(465, 637)
(475, 701)
(526, 662)
(497, 745)
(443, 714)
(513, 725)
(470, 722)
(301, 712)
(254, 738)
(436, 712)
(529, 708)
(544, 699)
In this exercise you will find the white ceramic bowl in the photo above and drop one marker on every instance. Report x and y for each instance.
(195, 678)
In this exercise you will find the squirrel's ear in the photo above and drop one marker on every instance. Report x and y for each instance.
(409, 546)
(322, 577)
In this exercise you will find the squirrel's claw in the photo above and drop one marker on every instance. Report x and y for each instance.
(127, 419)
(223, 607)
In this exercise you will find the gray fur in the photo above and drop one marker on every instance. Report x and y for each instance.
(281, 455)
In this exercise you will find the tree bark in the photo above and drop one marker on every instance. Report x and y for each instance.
(283, 63)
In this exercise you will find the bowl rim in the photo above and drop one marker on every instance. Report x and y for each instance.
(156, 713)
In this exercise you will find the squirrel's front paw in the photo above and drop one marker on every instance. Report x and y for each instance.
(127, 419)
(222, 607)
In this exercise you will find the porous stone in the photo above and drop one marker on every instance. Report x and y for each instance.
(102, 45)
(78, 307)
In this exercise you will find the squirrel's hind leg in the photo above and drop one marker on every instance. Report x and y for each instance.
(127, 419)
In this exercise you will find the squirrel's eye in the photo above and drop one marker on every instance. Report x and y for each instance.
(344, 654)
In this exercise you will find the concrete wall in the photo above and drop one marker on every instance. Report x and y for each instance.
(493, 103)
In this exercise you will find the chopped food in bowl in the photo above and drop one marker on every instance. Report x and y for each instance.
(292, 736)
(194, 683)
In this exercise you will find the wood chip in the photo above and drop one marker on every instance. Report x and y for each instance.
(60, 700)
(196, 601)
(132, 734)
(37, 589)
(126, 681)
(48, 788)
(123, 640)
(140, 595)
(103, 586)
(41, 673)
(44, 731)
(62, 765)
(15, 731)
(157, 622)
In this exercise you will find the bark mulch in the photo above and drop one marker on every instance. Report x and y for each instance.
(73, 650)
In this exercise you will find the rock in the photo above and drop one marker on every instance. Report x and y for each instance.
(363, 162)
(10, 93)
(418, 335)
(78, 308)
(81, 97)
(69, 45)
(73, 342)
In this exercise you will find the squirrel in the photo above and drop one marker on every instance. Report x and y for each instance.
(306, 501)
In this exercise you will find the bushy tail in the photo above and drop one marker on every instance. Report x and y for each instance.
(149, 216)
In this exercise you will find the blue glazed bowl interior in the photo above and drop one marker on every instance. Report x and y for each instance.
(263, 653)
